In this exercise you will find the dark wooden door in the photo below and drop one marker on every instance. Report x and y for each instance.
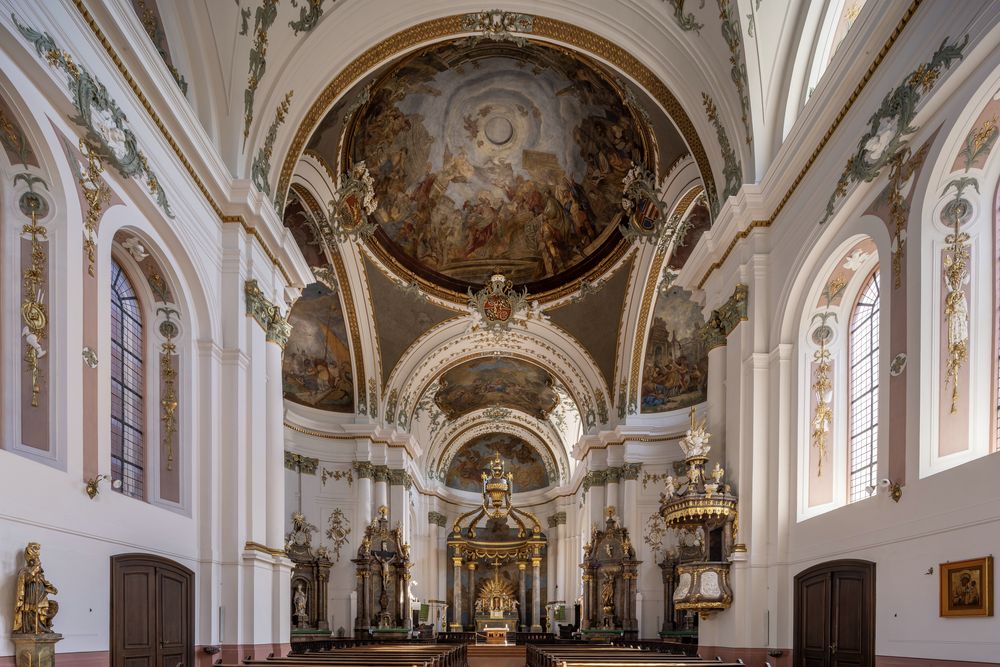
(835, 615)
(152, 612)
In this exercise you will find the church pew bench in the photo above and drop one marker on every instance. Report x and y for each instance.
(555, 656)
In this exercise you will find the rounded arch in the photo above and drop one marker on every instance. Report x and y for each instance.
(957, 344)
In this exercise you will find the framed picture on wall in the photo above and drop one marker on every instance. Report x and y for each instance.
(967, 587)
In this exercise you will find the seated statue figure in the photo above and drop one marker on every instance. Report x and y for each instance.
(33, 610)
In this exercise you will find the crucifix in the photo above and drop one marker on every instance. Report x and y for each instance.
(385, 558)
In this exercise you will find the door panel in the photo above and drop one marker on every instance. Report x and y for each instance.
(152, 612)
(834, 615)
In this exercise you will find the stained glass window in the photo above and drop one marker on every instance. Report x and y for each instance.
(863, 392)
(128, 452)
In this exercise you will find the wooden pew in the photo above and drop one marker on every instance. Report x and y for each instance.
(611, 656)
(379, 655)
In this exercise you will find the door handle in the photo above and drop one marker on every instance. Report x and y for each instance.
(833, 648)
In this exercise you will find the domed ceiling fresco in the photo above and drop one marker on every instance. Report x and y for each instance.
(502, 381)
(489, 157)
(675, 369)
(316, 364)
(518, 456)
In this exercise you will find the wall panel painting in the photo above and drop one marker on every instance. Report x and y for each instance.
(675, 368)
(316, 364)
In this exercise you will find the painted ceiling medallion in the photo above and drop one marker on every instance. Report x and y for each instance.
(485, 152)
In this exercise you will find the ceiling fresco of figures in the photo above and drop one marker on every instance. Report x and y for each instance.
(675, 369)
(518, 456)
(316, 364)
(487, 157)
(496, 381)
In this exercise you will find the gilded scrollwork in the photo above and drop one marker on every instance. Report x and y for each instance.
(260, 171)
(34, 312)
(108, 133)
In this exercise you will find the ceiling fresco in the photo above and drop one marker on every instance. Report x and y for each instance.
(675, 368)
(487, 157)
(464, 472)
(316, 364)
(500, 381)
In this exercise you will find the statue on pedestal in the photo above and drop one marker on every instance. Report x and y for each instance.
(31, 632)
(33, 610)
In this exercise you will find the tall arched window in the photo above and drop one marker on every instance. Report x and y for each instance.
(863, 392)
(128, 451)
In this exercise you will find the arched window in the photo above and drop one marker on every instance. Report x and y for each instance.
(128, 451)
(863, 345)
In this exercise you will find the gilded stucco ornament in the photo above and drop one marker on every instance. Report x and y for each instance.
(260, 170)
(169, 329)
(310, 13)
(302, 464)
(822, 385)
(892, 122)
(649, 219)
(732, 171)
(97, 195)
(263, 18)
(350, 210)
(685, 22)
(498, 305)
(337, 475)
(150, 20)
(33, 310)
(108, 133)
(730, 24)
(338, 530)
(499, 26)
(268, 315)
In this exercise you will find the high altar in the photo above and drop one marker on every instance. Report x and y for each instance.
(508, 550)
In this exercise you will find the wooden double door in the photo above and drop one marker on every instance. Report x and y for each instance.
(835, 615)
(152, 612)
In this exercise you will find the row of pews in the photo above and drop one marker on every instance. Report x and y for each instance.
(376, 655)
(605, 655)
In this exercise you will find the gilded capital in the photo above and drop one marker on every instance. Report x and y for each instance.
(630, 471)
(437, 519)
(276, 327)
(364, 469)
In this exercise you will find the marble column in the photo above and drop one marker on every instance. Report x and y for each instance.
(456, 595)
(596, 498)
(472, 594)
(564, 591)
(629, 510)
(523, 615)
(551, 558)
(381, 477)
(275, 492)
(611, 489)
(585, 603)
(364, 471)
(536, 594)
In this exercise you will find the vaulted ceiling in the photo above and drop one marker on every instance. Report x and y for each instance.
(495, 143)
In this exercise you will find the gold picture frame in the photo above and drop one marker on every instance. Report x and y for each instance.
(967, 587)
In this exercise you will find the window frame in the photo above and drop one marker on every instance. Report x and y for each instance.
(872, 278)
(147, 371)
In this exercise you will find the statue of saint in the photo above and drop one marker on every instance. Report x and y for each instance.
(33, 610)
(608, 592)
(300, 601)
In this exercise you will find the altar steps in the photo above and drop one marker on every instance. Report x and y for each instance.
(492, 655)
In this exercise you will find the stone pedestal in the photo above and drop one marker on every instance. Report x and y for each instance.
(32, 650)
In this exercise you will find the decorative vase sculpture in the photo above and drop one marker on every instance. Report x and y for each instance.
(34, 640)
(702, 501)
